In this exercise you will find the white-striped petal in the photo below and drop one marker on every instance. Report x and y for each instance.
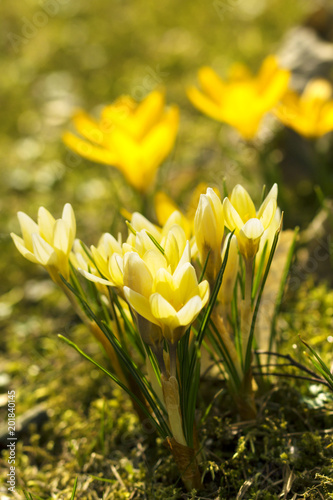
(46, 224)
(44, 253)
(28, 228)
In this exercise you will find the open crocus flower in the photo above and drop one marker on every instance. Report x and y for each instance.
(249, 225)
(48, 242)
(171, 300)
(108, 256)
(311, 113)
(135, 138)
(243, 99)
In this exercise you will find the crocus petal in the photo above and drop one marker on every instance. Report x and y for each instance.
(20, 245)
(90, 151)
(204, 104)
(190, 311)
(253, 229)
(185, 282)
(154, 260)
(242, 202)
(69, 217)
(44, 253)
(116, 269)
(203, 288)
(94, 278)
(60, 237)
(140, 304)
(46, 224)
(109, 244)
(137, 275)
(139, 222)
(211, 84)
(163, 284)
(172, 251)
(28, 228)
(272, 195)
(162, 310)
(186, 257)
(149, 112)
(231, 217)
(89, 128)
(268, 213)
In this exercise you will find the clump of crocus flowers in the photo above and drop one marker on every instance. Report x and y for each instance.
(163, 292)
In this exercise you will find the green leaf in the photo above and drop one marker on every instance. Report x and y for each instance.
(118, 382)
(281, 289)
(258, 274)
(319, 364)
(214, 294)
(248, 355)
(204, 267)
(74, 489)
(156, 243)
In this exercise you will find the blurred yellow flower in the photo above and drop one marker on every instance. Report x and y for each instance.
(171, 300)
(243, 99)
(249, 225)
(49, 242)
(311, 113)
(133, 137)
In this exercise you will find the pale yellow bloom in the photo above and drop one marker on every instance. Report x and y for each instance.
(109, 254)
(133, 137)
(311, 113)
(48, 242)
(243, 99)
(208, 231)
(171, 300)
(249, 225)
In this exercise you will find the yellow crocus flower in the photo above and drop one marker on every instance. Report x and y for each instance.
(109, 253)
(311, 113)
(249, 225)
(170, 300)
(48, 242)
(243, 99)
(133, 137)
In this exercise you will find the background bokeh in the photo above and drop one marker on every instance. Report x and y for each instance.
(59, 55)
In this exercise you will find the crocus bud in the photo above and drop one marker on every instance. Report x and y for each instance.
(208, 231)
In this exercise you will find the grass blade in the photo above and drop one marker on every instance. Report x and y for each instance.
(74, 489)
(248, 354)
(319, 364)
